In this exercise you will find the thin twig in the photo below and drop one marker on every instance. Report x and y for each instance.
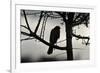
(27, 39)
(23, 26)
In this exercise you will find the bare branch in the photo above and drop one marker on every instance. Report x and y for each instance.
(80, 37)
(43, 41)
(78, 16)
(24, 33)
(83, 19)
(24, 27)
(26, 21)
(38, 22)
(29, 38)
(60, 13)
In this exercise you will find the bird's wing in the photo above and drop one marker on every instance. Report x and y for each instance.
(54, 35)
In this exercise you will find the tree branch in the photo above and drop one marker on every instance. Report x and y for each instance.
(24, 33)
(43, 41)
(38, 22)
(78, 16)
(80, 37)
(26, 21)
(60, 14)
(27, 39)
(84, 18)
(24, 27)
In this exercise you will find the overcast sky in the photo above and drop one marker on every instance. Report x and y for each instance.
(36, 50)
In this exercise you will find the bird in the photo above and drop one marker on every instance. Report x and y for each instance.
(54, 36)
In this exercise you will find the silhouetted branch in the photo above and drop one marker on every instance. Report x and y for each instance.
(24, 33)
(43, 41)
(43, 25)
(80, 37)
(60, 13)
(78, 16)
(83, 20)
(26, 21)
(27, 39)
(38, 22)
(24, 26)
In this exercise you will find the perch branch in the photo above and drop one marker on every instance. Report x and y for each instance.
(43, 41)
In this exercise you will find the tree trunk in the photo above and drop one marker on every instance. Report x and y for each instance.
(69, 36)
(69, 43)
(68, 25)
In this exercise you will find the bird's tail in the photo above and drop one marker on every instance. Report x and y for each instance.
(50, 50)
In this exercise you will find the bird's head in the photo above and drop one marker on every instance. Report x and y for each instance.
(57, 27)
